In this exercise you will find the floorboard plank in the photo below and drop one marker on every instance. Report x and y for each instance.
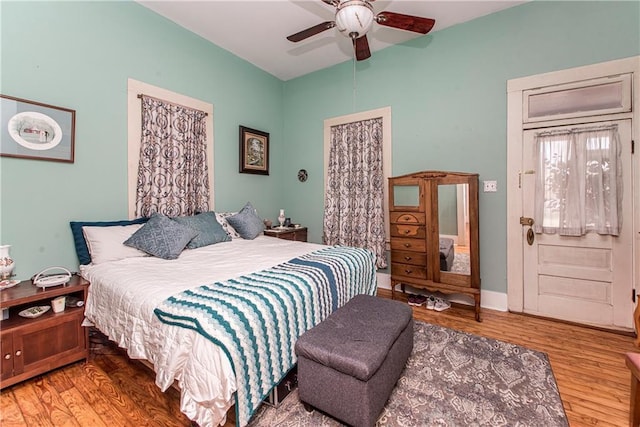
(10, 412)
(81, 409)
(56, 408)
(33, 410)
(114, 408)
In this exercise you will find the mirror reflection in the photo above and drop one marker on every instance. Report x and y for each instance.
(453, 223)
(406, 195)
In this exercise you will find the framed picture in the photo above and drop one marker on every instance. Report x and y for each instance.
(254, 151)
(32, 130)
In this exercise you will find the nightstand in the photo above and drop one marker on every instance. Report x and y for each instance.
(33, 346)
(288, 233)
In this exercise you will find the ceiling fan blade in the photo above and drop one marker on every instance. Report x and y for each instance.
(332, 2)
(361, 46)
(311, 31)
(405, 22)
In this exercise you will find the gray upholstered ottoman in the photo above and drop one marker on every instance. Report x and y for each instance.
(349, 363)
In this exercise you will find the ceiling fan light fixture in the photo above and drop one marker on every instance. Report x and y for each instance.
(354, 18)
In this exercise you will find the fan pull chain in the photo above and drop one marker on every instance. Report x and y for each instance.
(354, 84)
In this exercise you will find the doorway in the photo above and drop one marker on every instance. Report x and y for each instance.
(588, 279)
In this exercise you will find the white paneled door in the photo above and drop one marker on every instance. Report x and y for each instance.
(586, 279)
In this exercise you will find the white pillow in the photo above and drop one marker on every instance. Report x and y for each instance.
(221, 217)
(107, 243)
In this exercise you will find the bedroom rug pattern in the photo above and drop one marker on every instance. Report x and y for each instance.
(454, 379)
(461, 264)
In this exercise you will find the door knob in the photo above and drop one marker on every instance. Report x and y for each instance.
(526, 221)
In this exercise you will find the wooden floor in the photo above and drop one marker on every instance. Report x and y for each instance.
(113, 391)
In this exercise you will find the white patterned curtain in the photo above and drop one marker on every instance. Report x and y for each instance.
(578, 181)
(173, 178)
(354, 211)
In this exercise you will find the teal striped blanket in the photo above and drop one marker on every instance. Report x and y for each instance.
(257, 318)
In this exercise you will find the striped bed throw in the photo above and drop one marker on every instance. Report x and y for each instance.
(257, 318)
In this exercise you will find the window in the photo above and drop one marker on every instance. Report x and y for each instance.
(135, 125)
(579, 187)
(358, 161)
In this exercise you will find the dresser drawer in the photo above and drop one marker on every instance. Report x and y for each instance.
(408, 270)
(406, 257)
(404, 230)
(407, 217)
(400, 244)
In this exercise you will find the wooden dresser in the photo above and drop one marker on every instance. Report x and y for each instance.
(434, 219)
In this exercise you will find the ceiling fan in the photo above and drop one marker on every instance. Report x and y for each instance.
(354, 18)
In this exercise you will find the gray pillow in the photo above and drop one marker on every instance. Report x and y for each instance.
(209, 229)
(247, 222)
(162, 237)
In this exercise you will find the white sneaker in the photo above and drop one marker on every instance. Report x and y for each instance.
(431, 302)
(441, 304)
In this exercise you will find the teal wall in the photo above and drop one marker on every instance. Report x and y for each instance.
(447, 91)
(79, 55)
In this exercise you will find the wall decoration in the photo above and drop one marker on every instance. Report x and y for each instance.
(254, 151)
(32, 130)
(302, 175)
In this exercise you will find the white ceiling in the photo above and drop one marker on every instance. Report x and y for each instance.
(256, 30)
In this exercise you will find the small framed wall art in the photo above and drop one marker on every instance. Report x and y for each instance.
(254, 151)
(32, 130)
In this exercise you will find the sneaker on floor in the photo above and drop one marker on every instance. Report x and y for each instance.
(441, 304)
(417, 300)
(431, 302)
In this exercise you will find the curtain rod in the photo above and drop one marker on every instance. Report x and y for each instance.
(577, 130)
(140, 95)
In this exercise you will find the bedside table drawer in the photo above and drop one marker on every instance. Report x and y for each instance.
(295, 234)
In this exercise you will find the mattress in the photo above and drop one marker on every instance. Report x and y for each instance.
(124, 293)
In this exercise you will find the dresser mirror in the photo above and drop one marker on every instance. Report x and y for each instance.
(407, 196)
(434, 233)
(453, 228)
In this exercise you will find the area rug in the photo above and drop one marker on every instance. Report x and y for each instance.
(461, 264)
(454, 379)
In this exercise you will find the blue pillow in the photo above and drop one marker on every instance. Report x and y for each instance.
(209, 229)
(82, 250)
(247, 222)
(161, 237)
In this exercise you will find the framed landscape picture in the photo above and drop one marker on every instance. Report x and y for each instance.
(32, 130)
(254, 151)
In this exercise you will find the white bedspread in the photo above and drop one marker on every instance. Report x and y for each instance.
(124, 293)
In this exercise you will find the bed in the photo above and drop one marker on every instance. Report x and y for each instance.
(128, 295)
